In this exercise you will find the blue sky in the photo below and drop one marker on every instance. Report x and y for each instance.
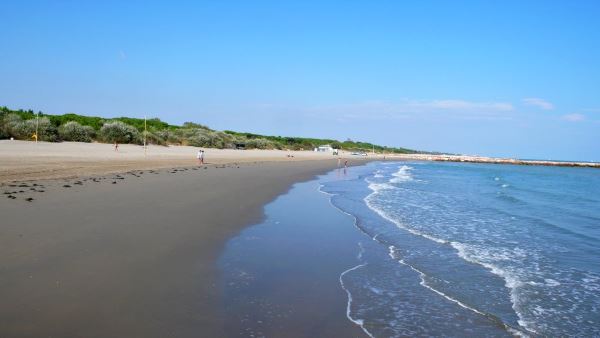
(500, 78)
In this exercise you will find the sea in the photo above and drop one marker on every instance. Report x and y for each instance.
(436, 249)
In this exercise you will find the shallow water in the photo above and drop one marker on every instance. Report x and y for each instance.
(491, 249)
(437, 249)
(280, 278)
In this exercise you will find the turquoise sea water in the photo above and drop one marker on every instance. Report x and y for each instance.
(440, 249)
(474, 248)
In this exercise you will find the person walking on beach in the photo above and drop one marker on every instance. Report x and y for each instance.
(200, 157)
(116, 146)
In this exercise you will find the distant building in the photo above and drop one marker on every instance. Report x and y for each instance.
(325, 148)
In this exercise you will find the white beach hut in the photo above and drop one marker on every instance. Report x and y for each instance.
(324, 148)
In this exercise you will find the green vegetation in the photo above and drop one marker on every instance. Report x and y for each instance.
(13, 125)
(302, 143)
(21, 124)
(75, 132)
(117, 131)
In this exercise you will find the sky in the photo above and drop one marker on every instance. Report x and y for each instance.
(497, 78)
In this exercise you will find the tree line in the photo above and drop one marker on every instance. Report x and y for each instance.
(22, 125)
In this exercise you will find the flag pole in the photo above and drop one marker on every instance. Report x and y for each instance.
(37, 126)
(145, 133)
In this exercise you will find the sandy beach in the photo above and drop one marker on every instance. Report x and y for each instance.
(24, 160)
(299, 169)
(130, 254)
(98, 243)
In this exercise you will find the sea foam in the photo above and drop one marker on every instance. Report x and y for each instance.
(517, 242)
(402, 175)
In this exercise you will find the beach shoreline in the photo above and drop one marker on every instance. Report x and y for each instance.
(100, 243)
(282, 276)
(490, 160)
(30, 161)
(130, 254)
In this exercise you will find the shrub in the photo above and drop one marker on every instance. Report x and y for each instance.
(167, 136)
(259, 143)
(46, 131)
(14, 126)
(118, 131)
(197, 138)
(73, 131)
(200, 137)
(222, 140)
(4, 132)
(192, 125)
(3, 113)
(154, 138)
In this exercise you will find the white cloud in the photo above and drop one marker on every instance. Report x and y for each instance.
(409, 108)
(461, 105)
(573, 117)
(402, 109)
(537, 102)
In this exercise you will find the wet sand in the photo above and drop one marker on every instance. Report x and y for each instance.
(131, 254)
(281, 278)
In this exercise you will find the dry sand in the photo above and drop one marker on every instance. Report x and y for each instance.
(133, 254)
(25, 160)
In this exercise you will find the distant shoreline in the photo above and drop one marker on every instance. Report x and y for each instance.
(28, 161)
(493, 160)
